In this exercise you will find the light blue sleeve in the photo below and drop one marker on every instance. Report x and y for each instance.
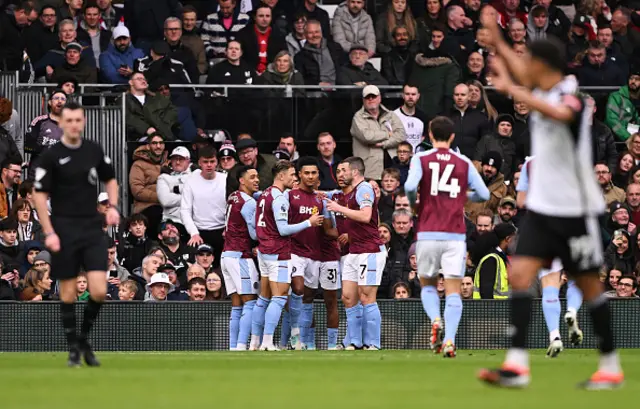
(257, 195)
(413, 180)
(332, 192)
(325, 211)
(523, 182)
(248, 213)
(480, 192)
(365, 195)
(280, 207)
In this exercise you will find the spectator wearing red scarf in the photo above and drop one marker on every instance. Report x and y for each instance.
(260, 42)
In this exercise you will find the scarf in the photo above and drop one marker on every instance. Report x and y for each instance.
(24, 231)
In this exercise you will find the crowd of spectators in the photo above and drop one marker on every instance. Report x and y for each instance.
(181, 171)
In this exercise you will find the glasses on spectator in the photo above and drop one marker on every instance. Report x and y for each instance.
(628, 285)
(602, 172)
(246, 152)
(63, 99)
(173, 29)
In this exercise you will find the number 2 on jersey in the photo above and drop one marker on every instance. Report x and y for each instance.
(443, 183)
(261, 222)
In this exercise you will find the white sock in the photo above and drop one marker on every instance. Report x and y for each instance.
(610, 363)
(267, 340)
(554, 334)
(518, 357)
(255, 341)
(295, 332)
(572, 311)
(241, 347)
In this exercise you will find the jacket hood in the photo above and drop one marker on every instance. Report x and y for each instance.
(144, 153)
(343, 9)
(433, 61)
(534, 32)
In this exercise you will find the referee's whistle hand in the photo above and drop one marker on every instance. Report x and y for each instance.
(52, 242)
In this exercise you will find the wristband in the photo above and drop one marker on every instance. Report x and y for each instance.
(49, 234)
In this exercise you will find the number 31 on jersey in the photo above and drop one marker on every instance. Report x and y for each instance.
(443, 182)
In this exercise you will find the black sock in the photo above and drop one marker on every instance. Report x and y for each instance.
(68, 313)
(90, 314)
(601, 318)
(520, 318)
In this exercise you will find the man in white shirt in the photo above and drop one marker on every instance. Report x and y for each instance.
(203, 204)
(413, 119)
(169, 187)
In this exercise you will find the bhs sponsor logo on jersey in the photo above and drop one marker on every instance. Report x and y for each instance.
(443, 156)
(308, 210)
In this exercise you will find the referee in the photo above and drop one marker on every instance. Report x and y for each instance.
(68, 173)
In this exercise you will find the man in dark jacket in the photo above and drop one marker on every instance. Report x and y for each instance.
(92, 32)
(173, 37)
(53, 58)
(359, 71)
(12, 26)
(147, 113)
(42, 35)
(459, 39)
(402, 236)
(145, 19)
(559, 23)
(260, 42)
(614, 54)
(313, 12)
(10, 247)
(158, 64)
(394, 63)
(75, 67)
(320, 58)
(249, 156)
(500, 141)
(521, 135)
(135, 244)
(327, 161)
(604, 143)
(116, 64)
(597, 70)
(470, 123)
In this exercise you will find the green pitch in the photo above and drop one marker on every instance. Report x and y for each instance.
(324, 380)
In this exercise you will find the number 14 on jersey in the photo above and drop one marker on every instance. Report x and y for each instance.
(443, 182)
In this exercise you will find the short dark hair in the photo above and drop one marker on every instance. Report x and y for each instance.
(263, 6)
(407, 144)
(441, 128)
(356, 163)
(233, 41)
(137, 217)
(196, 280)
(307, 161)
(281, 166)
(551, 52)
(439, 27)
(287, 135)
(538, 11)
(111, 242)
(11, 160)
(91, 4)
(629, 277)
(410, 85)
(72, 106)
(400, 193)
(189, 9)
(26, 188)
(242, 170)
(48, 6)
(26, 6)
(595, 44)
(325, 133)
(207, 152)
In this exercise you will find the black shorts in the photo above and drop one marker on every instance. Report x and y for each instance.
(83, 247)
(575, 240)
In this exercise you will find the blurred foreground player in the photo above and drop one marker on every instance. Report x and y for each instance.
(68, 173)
(238, 269)
(560, 222)
(443, 177)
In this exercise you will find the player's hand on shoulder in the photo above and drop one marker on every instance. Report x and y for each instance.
(52, 242)
(316, 219)
(343, 239)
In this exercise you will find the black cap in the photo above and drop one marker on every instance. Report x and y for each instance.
(281, 154)
(73, 46)
(161, 48)
(505, 118)
(492, 158)
(163, 225)
(615, 205)
(204, 248)
(203, 139)
(361, 47)
(580, 20)
(167, 266)
(245, 143)
(504, 230)
(634, 70)
(8, 223)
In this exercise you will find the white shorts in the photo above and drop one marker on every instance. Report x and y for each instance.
(307, 268)
(556, 267)
(278, 271)
(240, 275)
(365, 268)
(330, 275)
(450, 256)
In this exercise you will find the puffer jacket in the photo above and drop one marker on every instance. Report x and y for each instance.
(435, 75)
(112, 59)
(143, 178)
(347, 29)
(497, 190)
(605, 145)
(169, 189)
(621, 111)
(368, 131)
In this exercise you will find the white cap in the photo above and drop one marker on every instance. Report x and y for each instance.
(103, 197)
(160, 278)
(181, 151)
(370, 90)
(121, 31)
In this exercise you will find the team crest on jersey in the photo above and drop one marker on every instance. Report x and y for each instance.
(296, 197)
(366, 196)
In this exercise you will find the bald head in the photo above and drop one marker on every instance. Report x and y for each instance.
(455, 17)
(461, 96)
(633, 195)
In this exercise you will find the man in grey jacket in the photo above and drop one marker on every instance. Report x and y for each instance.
(169, 186)
(376, 133)
(10, 121)
(352, 25)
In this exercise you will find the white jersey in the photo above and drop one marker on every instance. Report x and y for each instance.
(562, 182)
(413, 127)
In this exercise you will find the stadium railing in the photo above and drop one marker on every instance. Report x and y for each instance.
(197, 326)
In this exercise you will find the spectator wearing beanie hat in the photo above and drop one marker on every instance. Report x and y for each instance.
(10, 131)
(227, 157)
(10, 247)
(489, 169)
(500, 140)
